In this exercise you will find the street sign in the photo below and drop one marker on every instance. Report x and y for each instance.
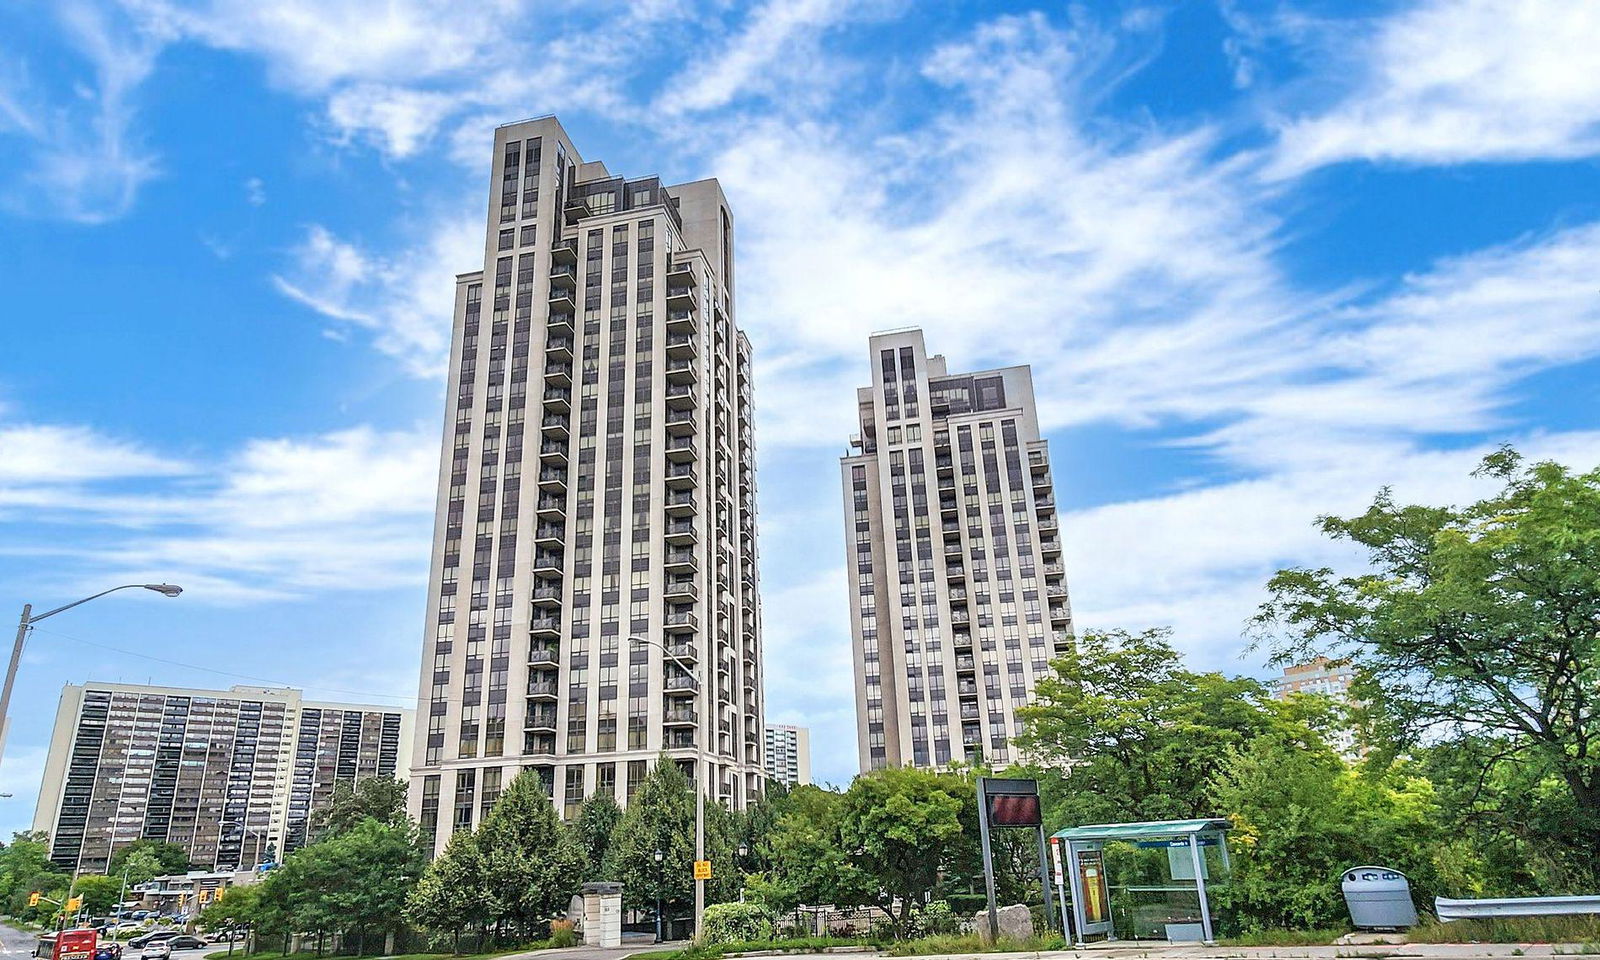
(74, 945)
(702, 869)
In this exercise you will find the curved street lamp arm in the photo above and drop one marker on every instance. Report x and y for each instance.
(127, 586)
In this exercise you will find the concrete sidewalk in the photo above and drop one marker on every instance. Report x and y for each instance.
(1158, 950)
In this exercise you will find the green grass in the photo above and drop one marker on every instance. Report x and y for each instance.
(1579, 929)
(1584, 949)
(239, 954)
(971, 943)
(1285, 938)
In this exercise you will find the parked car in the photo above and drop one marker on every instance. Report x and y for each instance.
(152, 937)
(186, 942)
(156, 950)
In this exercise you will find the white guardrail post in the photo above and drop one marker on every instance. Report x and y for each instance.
(1515, 907)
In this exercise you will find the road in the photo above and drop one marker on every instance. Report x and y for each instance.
(18, 945)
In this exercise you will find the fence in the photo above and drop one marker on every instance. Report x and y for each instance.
(1515, 907)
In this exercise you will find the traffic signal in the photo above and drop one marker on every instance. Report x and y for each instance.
(74, 904)
(205, 896)
(218, 894)
(34, 898)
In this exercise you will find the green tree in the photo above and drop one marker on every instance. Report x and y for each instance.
(659, 816)
(356, 881)
(236, 906)
(805, 857)
(168, 858)
(900, 827)
(453, 894)
(592, 829)
(530, 860)
(379, 798)
(99, 893)
(25, 867)
(1137, 734)
(1479, 623)
(141, 866)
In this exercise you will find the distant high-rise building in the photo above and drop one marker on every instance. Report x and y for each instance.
(596, 484)
(1319, 675)
(232, 776)
(957, 593)
(789, 754)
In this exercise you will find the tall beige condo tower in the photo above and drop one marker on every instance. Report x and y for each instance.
(958, 598)
(597, 483)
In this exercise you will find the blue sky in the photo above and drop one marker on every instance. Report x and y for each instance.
(1264, 258)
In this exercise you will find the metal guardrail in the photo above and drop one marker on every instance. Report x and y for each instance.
(1515, 907)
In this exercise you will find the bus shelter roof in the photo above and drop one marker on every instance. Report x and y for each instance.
(1152, 830)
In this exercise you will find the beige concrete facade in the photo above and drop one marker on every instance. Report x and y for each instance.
(958, 597)
(596, 483)
(788, 754)
(229, 775)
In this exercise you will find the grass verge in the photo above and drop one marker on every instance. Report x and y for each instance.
(715, 950)
(270, 954)
(1579, 930)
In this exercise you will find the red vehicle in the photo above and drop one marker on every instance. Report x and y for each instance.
(75, 945)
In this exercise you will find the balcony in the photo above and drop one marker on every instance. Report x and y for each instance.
(683, 621)
(561, 323)
(540, 720)
(553, 452)
(682, 371)
(544, 655)
(681, 321)
(545, 626)
(682, 591)
(563, 300)
(558, 398)
(554, 424)
(549, 534)
(682, 423)
(680, 740)
(558, 372)
(961, 639)
(1055, 588)
(680, 503)
(958, 594)
(949, 509)
(681, 346)
(542, 689)
(539, 744)
(681, 532)
(682, 396)
(1038, 461)
(680, 296)
(945, 465)
(682, 449)
(1041, 481)
(545, 595)
(681, 560)
(576, 209)
(955, 572)
(547, 563)
(558, 348)
(684, 650)
(680, 273)
(678, 684)
(564, 251)
(1053, 569)
(1060, 614)
(966, 664)
(553, 479)
(1050, 546)
(682, 476)
(680, 716)
(563, 275)
(1047, 525)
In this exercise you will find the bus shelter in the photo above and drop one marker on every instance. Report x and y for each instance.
(1164, 883)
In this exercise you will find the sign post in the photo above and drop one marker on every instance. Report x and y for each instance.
(1002, 804)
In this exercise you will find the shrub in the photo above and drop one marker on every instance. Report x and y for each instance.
(736, 923)
(562, 934)
(933, 919)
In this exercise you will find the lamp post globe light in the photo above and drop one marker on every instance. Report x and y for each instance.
(659, 857)
(699, 773)
(26, 624)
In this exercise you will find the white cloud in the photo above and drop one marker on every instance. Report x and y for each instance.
(1450, 81)
(347, 510)
(77, 157)
(407, 302)
(33, 454)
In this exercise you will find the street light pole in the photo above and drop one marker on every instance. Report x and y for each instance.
(26, 624)
(700, 773)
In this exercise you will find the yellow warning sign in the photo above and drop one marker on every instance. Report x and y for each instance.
(702, 869)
